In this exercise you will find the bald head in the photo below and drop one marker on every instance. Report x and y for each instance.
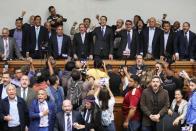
(67, 106)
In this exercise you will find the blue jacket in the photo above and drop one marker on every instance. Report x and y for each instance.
(191, 111)
(35, 117)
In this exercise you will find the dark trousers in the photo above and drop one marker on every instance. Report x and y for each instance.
(18, 128)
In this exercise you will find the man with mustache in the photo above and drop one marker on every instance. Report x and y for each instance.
(154, 104)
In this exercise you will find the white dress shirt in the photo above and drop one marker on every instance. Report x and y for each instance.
(13, 112)
(44, 119)
(6, 48)
(4, 92)
(37, 29)
(83, 37)
(150, 40)
(26, 91)
(66, 117)
(187, 34)
(166, 36)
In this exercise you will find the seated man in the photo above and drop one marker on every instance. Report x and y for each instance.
(139, 67)
(8, 46)
(68, 120)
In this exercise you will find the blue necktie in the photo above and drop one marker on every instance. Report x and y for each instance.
(129, 40)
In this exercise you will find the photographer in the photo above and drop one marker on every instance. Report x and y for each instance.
(54, 18)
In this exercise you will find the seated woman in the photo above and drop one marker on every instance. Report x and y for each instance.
(179, 106)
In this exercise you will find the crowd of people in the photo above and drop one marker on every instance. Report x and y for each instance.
(83, 98)
(153, 39)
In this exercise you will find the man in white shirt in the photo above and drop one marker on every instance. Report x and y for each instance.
(14, 111)
(68, 120)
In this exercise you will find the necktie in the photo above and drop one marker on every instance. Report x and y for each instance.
(129, 40)
(24, 94)
(186, 43)
(69, 127)
(102, 30)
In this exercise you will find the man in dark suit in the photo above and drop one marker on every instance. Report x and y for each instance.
(68, 120)
(184, 42)
(193, 51)
(8, 46)
(38, 39)
(42, 113)
(167, 39)
(21, 36)
(151, 48)
(24, 91)
(51, 32)
(13, 111)
(103, 40)
(82, 44)
(60, 44)
(129, 42)
(6, 81)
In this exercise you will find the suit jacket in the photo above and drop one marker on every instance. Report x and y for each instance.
(103, 44)
(60, 121)
(1, 90)
(30, 95)
(25, 39)
(134, 44)
(53, 46)
(80, 48)
(22, 111)
(12, 48)
(180, 44)
(170, 43)
(193, 50)
(157, 50)
(42, 38)
(35, 117)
